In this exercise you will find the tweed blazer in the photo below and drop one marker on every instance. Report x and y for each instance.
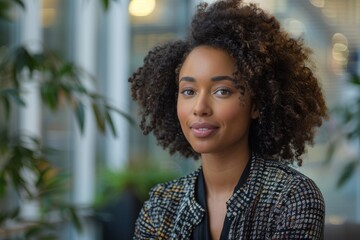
(276, 202)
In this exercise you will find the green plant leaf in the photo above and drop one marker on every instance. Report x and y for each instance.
(111, 123)
(65, 89)
(14, 77)
(99, 118)
(347, 115)
(67, 69)
(20, 3)
(346, 173)
(13, 214)
(7, 109)
(5, 8)
(14, 94)
(50, 95)
(80, 115)
(9, 214)
(3, 183)
(24, 60)
(123, 114)
(355, 79)
(330, 151)
(79, 88)
(33, 231)
(48, 236)
(41, 177)
(105, 4)
(75, 219)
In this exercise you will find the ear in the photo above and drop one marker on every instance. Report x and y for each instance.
(254, 111)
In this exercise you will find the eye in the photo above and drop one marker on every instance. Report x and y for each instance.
(187, 92)
(222, 92)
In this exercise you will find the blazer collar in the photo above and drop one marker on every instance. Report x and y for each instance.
(190, 212)
(243, 198)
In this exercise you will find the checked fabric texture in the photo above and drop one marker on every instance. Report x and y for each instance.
(276, 202)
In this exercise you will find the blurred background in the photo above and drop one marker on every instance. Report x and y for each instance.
(73, 162)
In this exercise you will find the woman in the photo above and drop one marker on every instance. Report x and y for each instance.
(240, 95)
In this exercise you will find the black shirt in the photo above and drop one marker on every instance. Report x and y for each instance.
(202, 231)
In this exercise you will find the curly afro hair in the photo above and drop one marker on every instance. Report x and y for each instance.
(275, 67)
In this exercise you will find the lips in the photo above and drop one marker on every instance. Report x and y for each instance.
(202, 130)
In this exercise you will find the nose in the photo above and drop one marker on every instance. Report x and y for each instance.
(202, 106)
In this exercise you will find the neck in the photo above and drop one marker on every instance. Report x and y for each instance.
(223, 171)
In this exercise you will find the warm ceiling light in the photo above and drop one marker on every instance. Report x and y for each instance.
(48, 16)
(294, 26)
(340, 51)
(339, 38)
(318, 3)
(49, 12)
(141, 8)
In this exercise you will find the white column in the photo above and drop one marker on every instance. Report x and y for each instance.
(357, 184)
(357, 171)
(30, 115)
(117, 59)
(85, 145)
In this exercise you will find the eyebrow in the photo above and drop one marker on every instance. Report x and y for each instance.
(214, 79)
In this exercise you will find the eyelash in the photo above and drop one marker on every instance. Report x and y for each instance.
(183, 92)
(228, 91)
(190, 92)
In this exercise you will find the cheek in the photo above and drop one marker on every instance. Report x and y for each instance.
(231, 115)
(234, 115)
(181, 113)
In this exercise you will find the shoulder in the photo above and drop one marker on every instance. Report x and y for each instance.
(290, 186)
(173, 190)
(279, 173)
(167, 201)
(281, 183)
(298, 208)
(281, 170)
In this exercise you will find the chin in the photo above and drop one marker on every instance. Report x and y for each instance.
(202, 150)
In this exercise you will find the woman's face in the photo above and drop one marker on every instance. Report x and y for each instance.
(214, 115)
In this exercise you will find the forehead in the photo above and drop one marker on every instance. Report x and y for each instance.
(208, 60)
